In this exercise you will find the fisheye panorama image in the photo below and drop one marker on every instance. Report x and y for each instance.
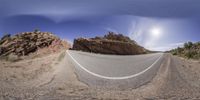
(99, 50)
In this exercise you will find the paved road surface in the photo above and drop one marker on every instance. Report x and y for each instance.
(114, 66)
(106, 69)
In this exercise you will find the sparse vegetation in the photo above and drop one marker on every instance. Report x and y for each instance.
(118, 37)
(189, 50)
(10, 58)
(36, 31)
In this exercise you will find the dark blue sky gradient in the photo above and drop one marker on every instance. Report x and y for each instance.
(179, 20)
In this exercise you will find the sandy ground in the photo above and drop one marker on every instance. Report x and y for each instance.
(52, 77)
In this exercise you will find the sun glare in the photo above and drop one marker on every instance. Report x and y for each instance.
(155, 32)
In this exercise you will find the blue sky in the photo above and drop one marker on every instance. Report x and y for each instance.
(178, 21)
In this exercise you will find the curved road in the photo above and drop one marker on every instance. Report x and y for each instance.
(97, 68)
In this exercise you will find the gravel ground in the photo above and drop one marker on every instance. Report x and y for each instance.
(52, 77)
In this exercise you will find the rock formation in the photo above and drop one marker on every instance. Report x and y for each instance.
(29, 42)
(109, 44)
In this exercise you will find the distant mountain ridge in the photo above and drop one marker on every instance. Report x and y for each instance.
(110, 43)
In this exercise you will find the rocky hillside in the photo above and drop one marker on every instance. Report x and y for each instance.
(111, 43)
(25, 43)
(189, 50)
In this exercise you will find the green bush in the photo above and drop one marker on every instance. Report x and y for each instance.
(174, 53)
(188, 45)
(190, 50)
(191, 54)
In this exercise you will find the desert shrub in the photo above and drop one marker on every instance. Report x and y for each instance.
(191, 54)
(188, 45)
(198, 43)
(118, 37)
(174, 53)
(197, 55)
(179, 50)
(189, 50)
(36, 30)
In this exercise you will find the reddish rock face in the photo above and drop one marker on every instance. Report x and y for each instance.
(109, 44)
(29, 42)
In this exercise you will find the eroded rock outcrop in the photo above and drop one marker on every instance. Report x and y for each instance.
(29, 42)
(109, 44)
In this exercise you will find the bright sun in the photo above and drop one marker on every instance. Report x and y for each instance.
(155, 32)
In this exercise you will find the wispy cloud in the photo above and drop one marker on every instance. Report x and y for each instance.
(150, 8)
(139, 31)
(167, 46)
